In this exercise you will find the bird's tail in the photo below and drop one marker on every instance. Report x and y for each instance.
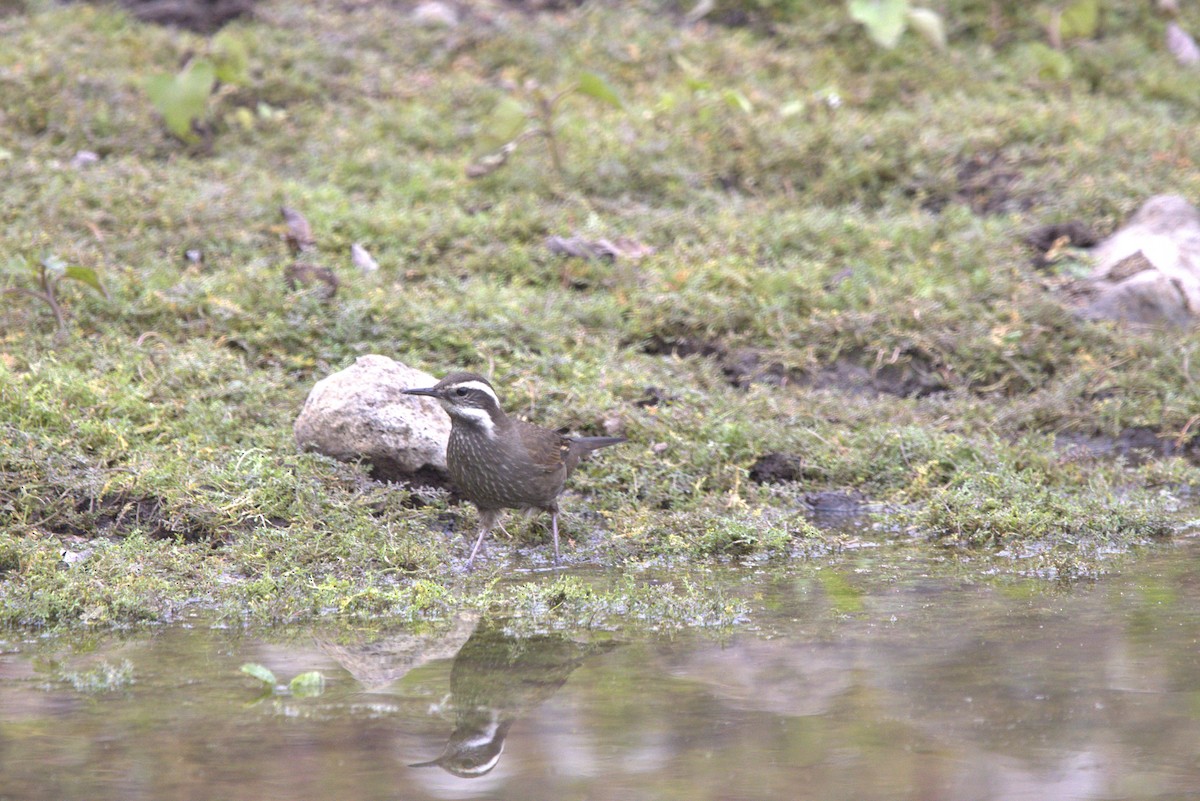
(582, 445)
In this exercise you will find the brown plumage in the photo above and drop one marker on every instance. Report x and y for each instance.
(499, 462)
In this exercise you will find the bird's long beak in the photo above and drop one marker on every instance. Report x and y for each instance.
(432, 392)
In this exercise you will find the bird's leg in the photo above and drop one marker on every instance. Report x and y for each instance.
(487, 519)
(554, 528)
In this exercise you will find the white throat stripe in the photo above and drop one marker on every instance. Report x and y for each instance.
(479, 417)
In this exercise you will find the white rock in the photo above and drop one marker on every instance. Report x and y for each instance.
(1163, 237)
(84, 158)
(1182, 46)
(362, 413)
(433, 12)
(363, 259)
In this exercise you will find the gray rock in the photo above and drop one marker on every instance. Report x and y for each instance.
(433, 13)
(1148, 272)
(361, 413)
(1182, 45)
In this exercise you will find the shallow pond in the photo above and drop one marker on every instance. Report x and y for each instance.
(879, 676)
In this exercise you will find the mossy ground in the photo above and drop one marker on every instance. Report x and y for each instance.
(818, 205)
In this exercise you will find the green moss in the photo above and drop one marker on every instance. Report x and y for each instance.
(838, 276)
(1000, 509)
(573, 602)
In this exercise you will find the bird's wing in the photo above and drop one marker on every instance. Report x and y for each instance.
(546, 449)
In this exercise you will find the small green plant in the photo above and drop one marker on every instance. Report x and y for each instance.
(1074, 21)
(305, 685)
(707, 93)
(887, 20)
(47, 274)
(182, 98)
(513, 121)
(1064, 25)
(103, 678)
(230, 58)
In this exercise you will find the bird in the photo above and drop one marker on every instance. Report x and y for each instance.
(497, 679)
(500, 462)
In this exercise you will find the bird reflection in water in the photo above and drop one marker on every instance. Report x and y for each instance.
(497, 679)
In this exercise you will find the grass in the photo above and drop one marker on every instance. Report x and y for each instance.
(862, 213)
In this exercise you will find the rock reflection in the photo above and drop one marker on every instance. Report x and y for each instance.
(382, 662)
(497, 679)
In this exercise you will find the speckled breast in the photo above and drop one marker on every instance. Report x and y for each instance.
(493, 476)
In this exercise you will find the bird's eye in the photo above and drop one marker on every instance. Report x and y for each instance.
(461, 392)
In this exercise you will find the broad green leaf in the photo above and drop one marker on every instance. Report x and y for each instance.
(259, 672)
(231, 59)
(1080, 20)
(506, 121)
(929, 25)
(884, 19)
(595, 86)
(307, 685)
(182, 99)
(86, 275)
(1051, 64)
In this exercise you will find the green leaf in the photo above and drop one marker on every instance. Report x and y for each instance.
(307, 685)
(231, 59)
(884, 19)
(1080, 20)
(1051, 64)
(596, 87)
(182, 99)
(929, 25)
(735, 99)
(86, 275)
(506, 121)
(259, 672)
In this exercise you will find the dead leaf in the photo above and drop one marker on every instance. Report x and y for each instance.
(362, 259)
(1182, 45)
(84, 158)
(299, 235)
(1129, 266)
(623, 248)
(300, 274)
(838, 278)
(1050, 240)
(613, 424)
(490, 162)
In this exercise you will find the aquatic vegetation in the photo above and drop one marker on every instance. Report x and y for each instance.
(105, 677)
(308, 684)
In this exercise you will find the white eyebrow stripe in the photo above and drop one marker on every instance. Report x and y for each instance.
(482, 387)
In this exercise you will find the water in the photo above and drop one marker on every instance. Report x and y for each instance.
(880, 678)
